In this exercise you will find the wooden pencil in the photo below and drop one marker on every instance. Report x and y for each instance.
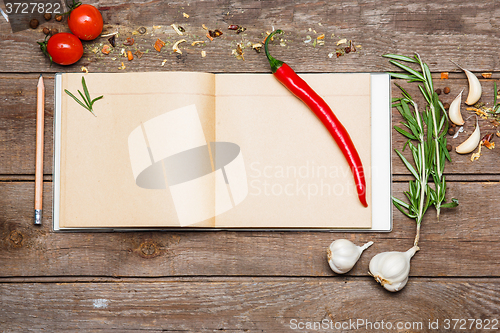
(40, 109)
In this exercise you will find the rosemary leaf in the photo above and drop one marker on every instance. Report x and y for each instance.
(408, 69)
(89, 107)
(400, 57)
(75, 98)
(86, 91)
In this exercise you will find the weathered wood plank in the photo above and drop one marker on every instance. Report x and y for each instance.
(18, 120)
(463, 31)
(246, 305)
(462, 243)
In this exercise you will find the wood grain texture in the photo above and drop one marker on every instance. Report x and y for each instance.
(243, 305)
(463, 243)
(463, 31)
(18, 127)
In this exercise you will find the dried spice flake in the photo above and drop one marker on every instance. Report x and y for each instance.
(112, 40)
(185, 15)
(142, 30)
(203, 54)
(215, 33)
(178, 29)
(130, 56)
(233, 27)
(159, 44)
(209, 37)
(342, 41)
(163, 62)
(129, 41)
(196, 42)
(176, 46)
(240, 30)
(204, 26)
(444, 76)
(486, 75)
(122, 66)
(139, 54)
(257, 47)
(84, 69)
(106, 49)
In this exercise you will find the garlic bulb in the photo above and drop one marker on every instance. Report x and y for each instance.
(454, 111)
(471, 143)
(391, 269)
(343, 254)
(475, 89)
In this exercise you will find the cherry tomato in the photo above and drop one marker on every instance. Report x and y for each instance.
(63, 48)
(85, 21)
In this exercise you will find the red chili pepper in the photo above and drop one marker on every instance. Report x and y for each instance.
(306, 94)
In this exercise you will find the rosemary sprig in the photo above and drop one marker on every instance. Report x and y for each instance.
(86, 102)
(428, 129)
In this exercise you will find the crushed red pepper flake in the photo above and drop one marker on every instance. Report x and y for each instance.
(130, 56)
(444, 76)
(129, 41)
(159, 44)
(106, 49)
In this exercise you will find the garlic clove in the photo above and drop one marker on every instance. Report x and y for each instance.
(391, 269)
(343, 254)
(475, 89)
(454, 111)
(471, 143)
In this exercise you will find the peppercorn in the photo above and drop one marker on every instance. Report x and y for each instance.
(446, 106)
(34, 23)
(451, 131)
(46, 30)
(438, 91)
(142, 30)
(58, 18)
(47, 16)
(54, 31)
(446, 90)
(449, 147)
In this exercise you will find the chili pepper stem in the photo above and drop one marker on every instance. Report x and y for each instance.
(275, 64)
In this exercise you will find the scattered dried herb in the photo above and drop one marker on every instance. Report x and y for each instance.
(159, 44)
(112, 40)
(129, 42)
(86, 102)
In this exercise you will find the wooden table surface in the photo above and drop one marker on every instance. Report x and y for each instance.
(251, 281)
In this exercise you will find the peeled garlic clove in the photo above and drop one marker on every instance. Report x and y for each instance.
(343, 254)
(454, 111)
(475, 89)
(391, 269)
(471, 143)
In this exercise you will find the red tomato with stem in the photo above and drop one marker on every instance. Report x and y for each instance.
(63, 48)
(85, 21)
